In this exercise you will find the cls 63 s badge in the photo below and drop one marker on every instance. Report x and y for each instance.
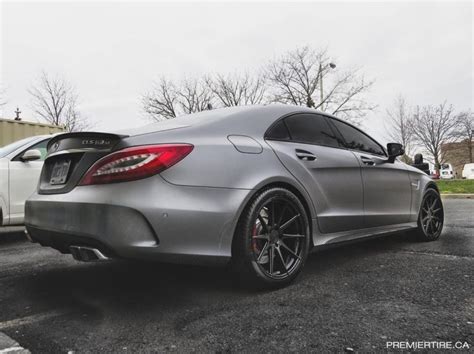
(96, 142)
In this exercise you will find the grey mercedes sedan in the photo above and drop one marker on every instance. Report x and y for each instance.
(256, 187)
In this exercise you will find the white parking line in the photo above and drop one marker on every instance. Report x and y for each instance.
(28, 319)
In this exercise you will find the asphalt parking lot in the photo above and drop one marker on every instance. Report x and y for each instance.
(356, 296)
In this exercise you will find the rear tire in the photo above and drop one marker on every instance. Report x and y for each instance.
(430, 217)
(271, 241)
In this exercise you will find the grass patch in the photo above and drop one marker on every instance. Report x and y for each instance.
(456, 186)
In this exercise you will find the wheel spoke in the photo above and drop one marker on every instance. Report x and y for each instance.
(271, 254)
(292, 236)
(427, 219)
(262, 252)
(433, 203)
(282, 244)
(262, 222)
(261, 237)
(426, 223)
(289, 222)
(433, 226)
(282, 260)
(428, 226)
(436, 210)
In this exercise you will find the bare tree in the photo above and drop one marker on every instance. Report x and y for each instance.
(297, 76)
(399, 128)
(167, 100)
(194, 96)
(55, 100)
(161, 102)
(465, 130)
(432, 127)
(238, 89)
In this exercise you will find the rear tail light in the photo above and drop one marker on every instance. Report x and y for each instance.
(135, 163)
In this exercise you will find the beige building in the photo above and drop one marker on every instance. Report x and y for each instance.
(13, 130)
(457, 154)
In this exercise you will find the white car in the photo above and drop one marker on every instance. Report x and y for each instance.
(468, 171)
(20, 168)
(447, 171)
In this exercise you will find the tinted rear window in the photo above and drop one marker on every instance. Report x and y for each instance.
(311, 129)
(278, 132)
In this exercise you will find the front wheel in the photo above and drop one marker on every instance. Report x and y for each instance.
(430, 217)
(272, 239)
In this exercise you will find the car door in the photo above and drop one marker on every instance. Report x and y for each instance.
(24, 177)
(387, 186)
(309, 149)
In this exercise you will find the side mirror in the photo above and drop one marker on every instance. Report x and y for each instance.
(31, 155)
(394, 150)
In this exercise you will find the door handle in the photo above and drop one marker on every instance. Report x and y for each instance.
(367, 161)
(305, 155)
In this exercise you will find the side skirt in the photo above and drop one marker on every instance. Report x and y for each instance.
(320, 239)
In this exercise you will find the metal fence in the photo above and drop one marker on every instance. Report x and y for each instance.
(13, 130)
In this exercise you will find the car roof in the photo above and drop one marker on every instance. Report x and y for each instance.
(252, 119)
(34, 140)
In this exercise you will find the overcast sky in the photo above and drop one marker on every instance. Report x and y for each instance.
(112, 51)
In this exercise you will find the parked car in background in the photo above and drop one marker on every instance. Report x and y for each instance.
(446, 171)
(20, 168)
(255, 186)
(434, 174)
(468, 171)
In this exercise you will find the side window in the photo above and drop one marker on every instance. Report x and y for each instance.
(356, 140)
(278, 132)
(311, 129)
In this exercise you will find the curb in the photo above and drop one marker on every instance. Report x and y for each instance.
(8, 345)
(457, 196)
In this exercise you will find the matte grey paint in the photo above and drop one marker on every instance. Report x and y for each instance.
(191, 209)
(245, 144)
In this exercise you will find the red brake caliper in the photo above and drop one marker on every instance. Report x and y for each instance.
(254, 240)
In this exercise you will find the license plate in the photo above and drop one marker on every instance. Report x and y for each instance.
(60, 172)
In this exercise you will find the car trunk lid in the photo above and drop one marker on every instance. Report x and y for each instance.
(69, 157)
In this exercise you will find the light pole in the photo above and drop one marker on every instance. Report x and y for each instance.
(332, 66)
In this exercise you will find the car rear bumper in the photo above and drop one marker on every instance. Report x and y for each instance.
(146, 219)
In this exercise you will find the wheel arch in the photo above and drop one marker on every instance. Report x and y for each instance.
(431, 185)
(298, 191)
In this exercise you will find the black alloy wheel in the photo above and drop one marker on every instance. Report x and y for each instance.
(431, 216)
(272, 239)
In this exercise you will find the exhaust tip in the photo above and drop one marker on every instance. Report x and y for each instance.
(87, 254)
(28, 236)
